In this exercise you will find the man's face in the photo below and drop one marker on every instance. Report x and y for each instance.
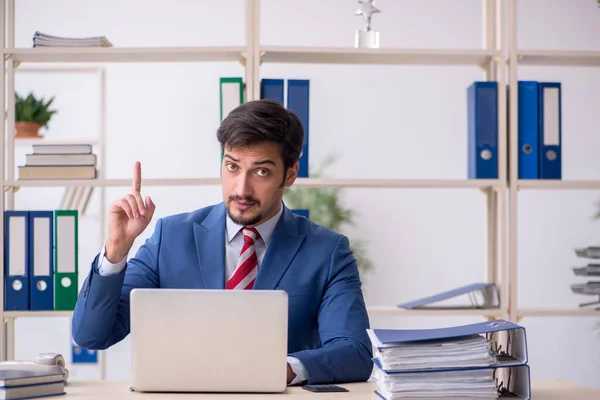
(253, 182)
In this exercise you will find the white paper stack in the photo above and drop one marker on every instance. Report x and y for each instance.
(455, 362)
(466, 351)
(44, 40)
(479, 384)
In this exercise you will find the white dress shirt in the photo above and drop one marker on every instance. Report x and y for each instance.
(234, 239)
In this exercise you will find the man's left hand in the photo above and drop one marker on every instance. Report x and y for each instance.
(290, 374)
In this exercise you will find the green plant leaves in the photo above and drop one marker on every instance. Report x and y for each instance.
(32, 109)
(326, 209)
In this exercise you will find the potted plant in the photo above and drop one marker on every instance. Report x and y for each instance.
(31, 114)
(325, 209)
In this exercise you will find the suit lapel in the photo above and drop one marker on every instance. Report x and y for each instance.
(210, 247)
(282, 249)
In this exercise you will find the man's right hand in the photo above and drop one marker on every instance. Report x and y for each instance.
(128, 217)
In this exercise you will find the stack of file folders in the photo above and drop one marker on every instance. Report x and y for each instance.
(484, 360)
(592, 271)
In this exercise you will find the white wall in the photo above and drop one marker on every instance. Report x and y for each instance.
(411, 121)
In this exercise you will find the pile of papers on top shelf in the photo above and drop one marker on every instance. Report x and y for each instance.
(454, 362)
(44, 40)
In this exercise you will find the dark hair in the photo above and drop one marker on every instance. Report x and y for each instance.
(260, 121)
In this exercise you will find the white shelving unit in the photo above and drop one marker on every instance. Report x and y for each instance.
(10, 189)
(526, 57)
(497, 58)
(491, 58)
(8, 69)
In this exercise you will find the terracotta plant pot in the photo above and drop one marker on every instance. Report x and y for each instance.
(27, 129)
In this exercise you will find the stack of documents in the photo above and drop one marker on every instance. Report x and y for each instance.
(21, 383)
(591, 287)
(477, 383)
(45, 40)
(481, 360)
(588, 270)
(588, 252)
(464, 351)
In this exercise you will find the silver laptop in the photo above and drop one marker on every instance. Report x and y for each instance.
(185, 340)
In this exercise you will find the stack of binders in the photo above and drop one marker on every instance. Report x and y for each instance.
(539, 130)
(539, 115)
(592, 271)
(481, 295)
(482, 360)
(40, 260)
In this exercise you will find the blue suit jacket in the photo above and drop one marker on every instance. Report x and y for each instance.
(327, 314)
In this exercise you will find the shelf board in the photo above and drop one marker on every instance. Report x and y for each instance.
(559, 58)
(392, 311)
(30, 142)
(381, 56)
(558, 312)
(300, 182)
(496, 313)
(37, 314)
(41, 67)
(398, 312)
(550, 184)
(124, 54)
(113, 182)
(397, 183)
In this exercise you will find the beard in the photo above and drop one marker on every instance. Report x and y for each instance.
(245, 217)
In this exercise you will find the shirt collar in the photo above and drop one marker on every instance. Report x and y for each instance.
(265, 229)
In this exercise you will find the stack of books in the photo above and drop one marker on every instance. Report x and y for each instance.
(26, 384)
(592, 271)
(44, 40)
(483, 360)
(59, 161)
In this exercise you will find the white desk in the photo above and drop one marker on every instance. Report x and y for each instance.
(102, 390)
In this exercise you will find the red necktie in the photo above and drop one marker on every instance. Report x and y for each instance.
(247, 267)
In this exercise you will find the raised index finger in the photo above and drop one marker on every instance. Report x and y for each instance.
(136, 185)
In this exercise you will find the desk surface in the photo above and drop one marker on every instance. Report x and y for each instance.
(92, 390)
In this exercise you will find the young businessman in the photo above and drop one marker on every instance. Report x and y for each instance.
(208, 249)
